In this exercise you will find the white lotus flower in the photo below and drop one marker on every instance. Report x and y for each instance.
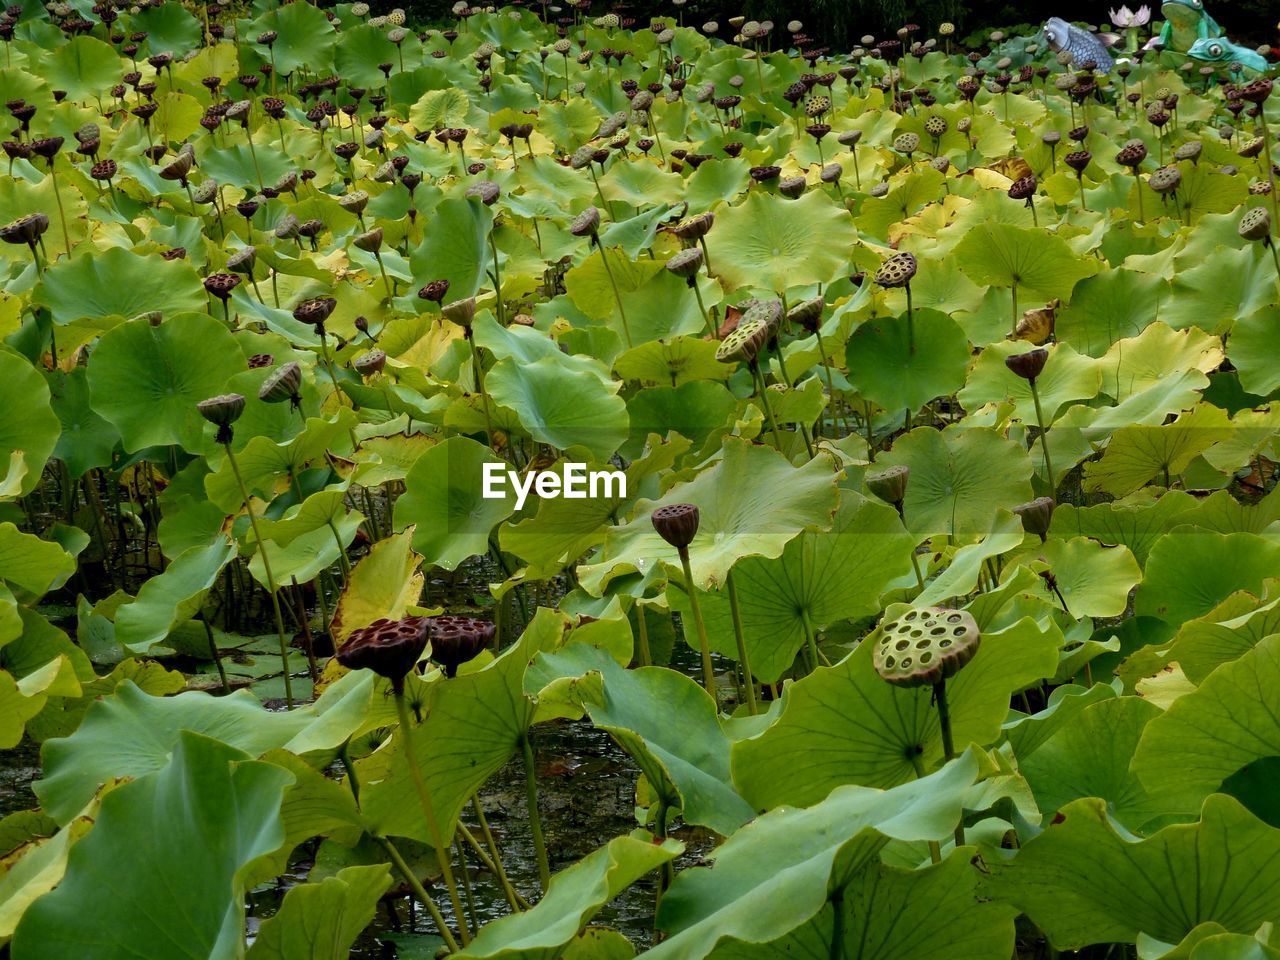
(1124, 17)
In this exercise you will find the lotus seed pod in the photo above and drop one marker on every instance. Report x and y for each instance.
(890, 484)
(586, 224)
(791, 187)
(390, 648)
(206, 192)
(1036, 515)
(831, 173)
(222, 411)
(461, 312)
(283, 383)
(457, 640)
(897, 271)
(434, 291)
(370, 364)
(964, 124)
(879, 190)
(849, 138)
(370, 241)
(1165, 180)
(1028, 365)
(28, 229)
(765, 174)
(1190, 150)
(935, 127)
(1132, 154)
(1259, 188)
(1256, 224)
(925, 646)
(1050, 137)
(354, 202)
(1252, 148)
(907, 143)
(695, 227)
(315, 311)
(486, 191)
(676, 523)
(1078, 160)
(946, 29)
(686, 263)
(288, 226)
(807, 314)
(745, 341)
(583, 157)
(220, 285)
(243, 260)
(941, 164)
(1024, 188)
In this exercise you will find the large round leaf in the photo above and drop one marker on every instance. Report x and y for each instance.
(775, 244)
(29, 426)
(118, 282)
(898, 373)
(147, 379)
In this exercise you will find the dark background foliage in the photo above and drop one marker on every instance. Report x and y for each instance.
(839, 23)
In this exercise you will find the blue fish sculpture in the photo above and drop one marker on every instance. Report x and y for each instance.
(1081, 44)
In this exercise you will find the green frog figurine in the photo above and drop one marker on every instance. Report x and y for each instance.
(1230, 56)
(1185, 22)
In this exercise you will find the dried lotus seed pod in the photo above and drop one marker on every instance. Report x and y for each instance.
(925, 646)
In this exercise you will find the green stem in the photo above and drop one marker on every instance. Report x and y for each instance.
(762, 393)
(1044, 437)
(62, 214)
(616, 296)
(935, 851)
(642, 637)
(705, 318)
(743, 657)
(416, 886)
(433, 824)
(708, 672)
(494, 862)
(217, 657)
(272, 586)
(837, 927)
(497, 279)
(948, 745)
(535, 820)
(811, 641)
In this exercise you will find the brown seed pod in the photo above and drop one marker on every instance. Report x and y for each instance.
(676, 523)
(284, 383)
(1028, 365)
(1024, 188)
(315, 311)
(26, 229)
(1132, 154)
(434, 291)
(221, 285)
(586, 224)
(390, 648)
(1036, 515)
(1256, 224)
(456, 640)
(686, 263)
(461, 312)
(1165, 180)
(890, 484)
(925, 646)
(897, 271)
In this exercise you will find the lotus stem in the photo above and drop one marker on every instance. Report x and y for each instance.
(248, 131)
(706, 254)
(272, 586)
(1044, 438)
(911, 328)
(1014, 327)
(708, 672)
(433, 824)
(418, 891)
(762, 393)
(387, 283)
(613, 283)
(493, 862)
(1080, 179)
(810, 639)
(217, 656)
(62, 213)
(693, 282)
(743, 658)
(1142, 217)
(1271, 174)
(642, 637)
(535, 821)
(496, 276)
(467, 894)
(477, 365)
(948, 746)
(837, 926)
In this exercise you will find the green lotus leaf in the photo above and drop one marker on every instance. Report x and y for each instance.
(638, 184)
(1083, 881)
(1156, 355)
(1139, 454)
(695, 410)
(1207, 735)
(963, 572)
(85, 67)
(1189, 571)
(320, 921)
(1090, 757)
(30, 428)
(358, 53)
(960, 478)
(884, 731)
(760, 520)
(170, 29)
(560, 408)
(777, 874)
(87, 440)
(148, 379)
(440, 108)
(208, 796)
(16, 708)
(672, 362)
(902, 366)
(454, 247)
(1027, 733)
(1041, 265)
(307, 38)
(827, 577)
(575, 895)
(717, 181)
(383, 585)
(1255, 352)
(313, 542)
(773, 243)
(32, 565)
(118, 282)
(950, 919)
(131, 733)
(1228, 284)
(1110, 306)
(444, 501)
(1067, 376)
(172, 597)
(1232, 946)
(1136, 521)
(455, 753)
(1227, 632)
(1094, 580)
